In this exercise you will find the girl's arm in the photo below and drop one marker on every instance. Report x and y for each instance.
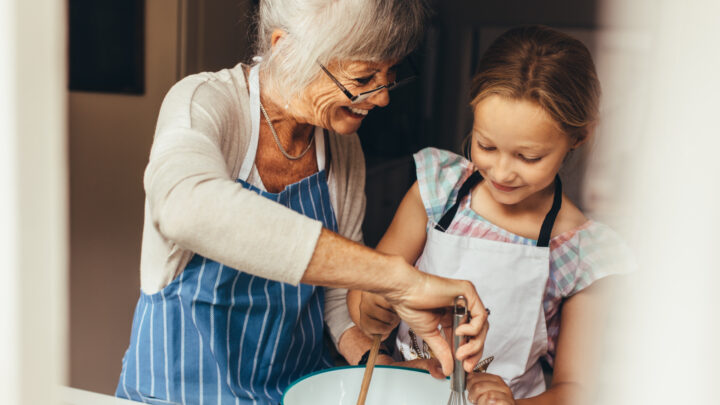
(406, 234)
(405, 237)
(578, 355)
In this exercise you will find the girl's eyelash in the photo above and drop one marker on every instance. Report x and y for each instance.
(530, 160)
(487, 148)
(522, 157)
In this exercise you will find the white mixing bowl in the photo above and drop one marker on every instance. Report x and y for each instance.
(389, 385)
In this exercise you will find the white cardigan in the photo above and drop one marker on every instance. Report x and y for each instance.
(194, 204)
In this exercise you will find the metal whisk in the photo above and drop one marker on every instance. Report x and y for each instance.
(457, 379)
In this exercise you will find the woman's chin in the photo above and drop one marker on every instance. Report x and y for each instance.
(345, 128)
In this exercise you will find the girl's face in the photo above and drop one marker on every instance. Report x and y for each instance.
(325, 105)
(517, 148)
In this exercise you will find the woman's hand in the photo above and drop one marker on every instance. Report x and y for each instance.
(487, 389)
(424, 303)
(420, 299)
(376, 315)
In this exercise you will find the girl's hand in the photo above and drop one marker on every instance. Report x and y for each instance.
(376, 315)
(431, 365)
(488, 389)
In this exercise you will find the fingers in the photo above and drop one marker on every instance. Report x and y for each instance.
(431, 365)
(376, 315)
(471, 352)
(379, 314)
(370, 326)
(492, 398)
(441, 349)
(476, 330)
(435, 369)
(477, 310)
(486, 388)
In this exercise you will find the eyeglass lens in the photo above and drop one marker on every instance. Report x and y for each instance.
(402, 74)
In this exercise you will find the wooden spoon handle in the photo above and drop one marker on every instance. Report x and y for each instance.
(369, 369)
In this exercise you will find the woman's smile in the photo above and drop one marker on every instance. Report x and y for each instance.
(357, 113)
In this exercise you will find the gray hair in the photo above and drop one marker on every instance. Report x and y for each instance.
(325, 30)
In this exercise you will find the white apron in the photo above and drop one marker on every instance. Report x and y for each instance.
(510, 279)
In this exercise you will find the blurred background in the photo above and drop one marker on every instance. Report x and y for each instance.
(81, 83)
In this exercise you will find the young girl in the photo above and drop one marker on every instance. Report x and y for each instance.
(500, 219)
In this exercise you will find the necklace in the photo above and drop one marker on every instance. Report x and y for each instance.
(277, 140)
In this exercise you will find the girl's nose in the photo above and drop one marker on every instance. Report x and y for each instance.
(504, 169)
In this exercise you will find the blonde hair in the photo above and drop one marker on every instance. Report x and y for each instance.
(325, 30)
(548, 67)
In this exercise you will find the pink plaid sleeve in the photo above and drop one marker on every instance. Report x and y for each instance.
(440, 174)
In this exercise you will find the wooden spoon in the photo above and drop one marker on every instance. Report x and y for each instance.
(369, 370)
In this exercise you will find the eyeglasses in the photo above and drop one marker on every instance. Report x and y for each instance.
(410, 73)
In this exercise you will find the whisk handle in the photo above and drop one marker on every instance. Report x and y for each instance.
(459, 317)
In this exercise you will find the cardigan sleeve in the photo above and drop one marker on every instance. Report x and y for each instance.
(348, 167)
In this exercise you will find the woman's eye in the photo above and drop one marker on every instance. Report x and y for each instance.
(530, 159)
(363, 81)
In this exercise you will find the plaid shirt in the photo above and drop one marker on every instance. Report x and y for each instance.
(578, 257)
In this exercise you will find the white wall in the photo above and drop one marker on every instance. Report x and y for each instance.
(109, 142)
(33, 206)
(664, 155)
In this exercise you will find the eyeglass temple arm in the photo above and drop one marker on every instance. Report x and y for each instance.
(342, 88)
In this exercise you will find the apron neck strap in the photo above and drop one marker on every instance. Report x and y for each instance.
(475, 178)
(253, 84)
(468, 185)
(547, 226)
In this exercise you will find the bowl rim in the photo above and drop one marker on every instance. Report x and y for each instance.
(326, 370)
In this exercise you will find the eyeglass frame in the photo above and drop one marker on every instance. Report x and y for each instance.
(366, 94)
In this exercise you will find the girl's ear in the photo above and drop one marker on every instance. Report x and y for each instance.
(276, 36)
(580, 140)
(584, 136)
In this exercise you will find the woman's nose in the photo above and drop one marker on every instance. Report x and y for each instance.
(380, 98)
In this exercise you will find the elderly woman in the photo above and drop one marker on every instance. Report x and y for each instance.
(255, 199)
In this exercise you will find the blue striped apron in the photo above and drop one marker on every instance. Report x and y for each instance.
(217, 335)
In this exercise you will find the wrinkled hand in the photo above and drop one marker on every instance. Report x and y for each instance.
(488, 389)
(377, 315)
(424, 305)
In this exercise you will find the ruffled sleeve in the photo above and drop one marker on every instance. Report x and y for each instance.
(440, 174)
(588, 255)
